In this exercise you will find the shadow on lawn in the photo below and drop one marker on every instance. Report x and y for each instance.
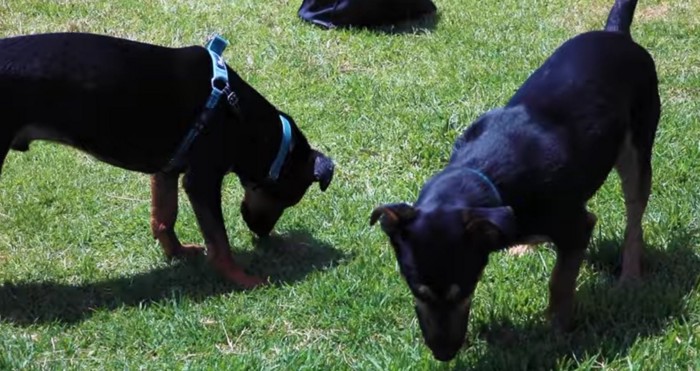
(419, 26)
(608, 319)
(285, 259)
(422, 25)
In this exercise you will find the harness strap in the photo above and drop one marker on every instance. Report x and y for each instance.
(216, 47)
(220, 87)
(219, 84)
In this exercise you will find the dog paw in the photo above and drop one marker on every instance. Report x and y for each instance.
(560, 324)
(628, 280)
(186, 252)
(244, 280)
(236, 275)
(560, 317)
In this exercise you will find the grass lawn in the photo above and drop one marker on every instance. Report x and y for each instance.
(83, 284)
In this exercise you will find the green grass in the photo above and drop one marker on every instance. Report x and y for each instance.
(85, 286)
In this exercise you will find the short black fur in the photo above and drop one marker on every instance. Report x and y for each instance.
(592, 106)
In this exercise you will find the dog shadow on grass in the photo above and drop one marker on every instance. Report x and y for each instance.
(284, 259)
(608, 319)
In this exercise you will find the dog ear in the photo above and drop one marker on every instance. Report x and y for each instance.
(391, 216)
(497, 224)
(323, 170)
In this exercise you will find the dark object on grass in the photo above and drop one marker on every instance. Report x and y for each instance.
(364, 13)
(525, 172)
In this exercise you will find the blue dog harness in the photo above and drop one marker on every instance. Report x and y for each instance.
(219, 87)
(494, 190)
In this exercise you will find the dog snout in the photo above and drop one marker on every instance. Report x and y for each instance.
(445, 354)
(444, 346)
(260, 211)
(260, 222)
(444, 328)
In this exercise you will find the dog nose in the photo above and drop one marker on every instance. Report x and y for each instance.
(261, 231)
(445, 355)
(444, 350)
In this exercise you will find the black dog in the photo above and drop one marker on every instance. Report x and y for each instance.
(527, 170)
(132, 105)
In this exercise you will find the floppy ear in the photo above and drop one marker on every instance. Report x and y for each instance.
(323, 170)
(497, 224)
(392, 215)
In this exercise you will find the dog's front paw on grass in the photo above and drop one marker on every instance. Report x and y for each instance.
(628, 281)
(245, 280)
(187, 252)
(560, 317)
(236, 275)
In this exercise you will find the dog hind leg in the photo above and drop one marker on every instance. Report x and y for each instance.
(164, 214)
(527, 245)
(636, 182)
(634, 167)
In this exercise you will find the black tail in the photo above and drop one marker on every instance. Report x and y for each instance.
(620, 17)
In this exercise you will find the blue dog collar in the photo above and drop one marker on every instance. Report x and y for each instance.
(494, 190)
(285, 147)
(219, 80)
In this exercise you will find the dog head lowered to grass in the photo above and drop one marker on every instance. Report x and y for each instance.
(526, 171)
(265, 199)
(442, 252)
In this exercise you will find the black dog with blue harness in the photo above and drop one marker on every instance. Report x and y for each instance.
(161, 111)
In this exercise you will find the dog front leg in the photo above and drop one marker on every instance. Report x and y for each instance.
(571, 248)
(562, 287)
(204, 192)
(163, 217)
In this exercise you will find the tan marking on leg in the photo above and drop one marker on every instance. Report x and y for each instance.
(164, 215)
(636, 185)
(633, 244)
(520, 250)
(562, 288)
(527, 245)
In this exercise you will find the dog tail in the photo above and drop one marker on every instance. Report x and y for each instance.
(620, 17)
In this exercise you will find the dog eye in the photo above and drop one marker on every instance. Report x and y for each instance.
(452, 293)
(425, 294)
